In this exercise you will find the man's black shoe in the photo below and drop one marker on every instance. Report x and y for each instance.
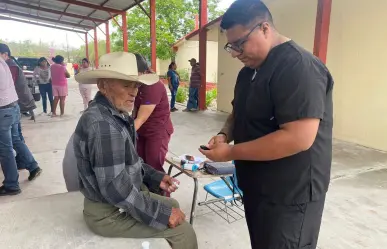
(34, 174)
(4, 191)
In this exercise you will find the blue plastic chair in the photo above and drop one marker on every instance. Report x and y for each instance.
(227, 192)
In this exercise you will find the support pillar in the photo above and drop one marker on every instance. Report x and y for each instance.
(125, 32)
(107, 37)
(87, 46)
(203, 53)
(321, 36)
(153, 33)
(95, 48)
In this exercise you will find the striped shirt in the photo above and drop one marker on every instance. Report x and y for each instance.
(110, 169)
(8, 93)
(195, 80)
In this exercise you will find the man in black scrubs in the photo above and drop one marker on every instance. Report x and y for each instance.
(281, 125)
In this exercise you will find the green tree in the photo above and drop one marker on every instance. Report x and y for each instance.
(174, 19)
(80, 53)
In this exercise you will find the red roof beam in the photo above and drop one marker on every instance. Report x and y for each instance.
(41, 24)
(45, 19)
(92, 6)
(52, 11)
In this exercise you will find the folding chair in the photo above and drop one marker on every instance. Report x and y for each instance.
(227, 201)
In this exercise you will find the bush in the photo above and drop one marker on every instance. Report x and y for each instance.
(184, 75)
(211, 95)
(181, 95)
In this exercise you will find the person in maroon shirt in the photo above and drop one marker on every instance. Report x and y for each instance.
(152, 120)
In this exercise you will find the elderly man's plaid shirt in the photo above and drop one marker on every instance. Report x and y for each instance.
(110, 169)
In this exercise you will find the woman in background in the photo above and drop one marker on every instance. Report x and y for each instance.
(59, 75)
(152, 120)
(173, 84)
(42, 75)
(85, 89)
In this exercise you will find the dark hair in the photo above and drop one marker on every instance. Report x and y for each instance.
(58, 59)
(4, 49)
(244, 12)
(41, 59)
(85, 59)
(171, 65)
(142, 65)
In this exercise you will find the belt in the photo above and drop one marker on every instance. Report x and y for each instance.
(9, 105)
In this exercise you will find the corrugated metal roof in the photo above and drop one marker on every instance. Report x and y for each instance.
(75, 15)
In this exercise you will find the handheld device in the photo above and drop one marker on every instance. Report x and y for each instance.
(203, 147)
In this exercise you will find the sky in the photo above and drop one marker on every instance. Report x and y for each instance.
(16, 31)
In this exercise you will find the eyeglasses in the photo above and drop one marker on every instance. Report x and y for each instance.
(238, 45)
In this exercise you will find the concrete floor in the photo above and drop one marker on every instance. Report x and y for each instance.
(356, 208)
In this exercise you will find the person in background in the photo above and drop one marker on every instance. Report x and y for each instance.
(85, 89)
(173, 84)
(281, 124)
(194, 86)
(113, 178)
(9, 135)
(26, 100)
(42, 75)
(59, 75)
(152, 120)
(76, 68)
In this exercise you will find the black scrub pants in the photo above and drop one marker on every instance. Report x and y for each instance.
(277, 226)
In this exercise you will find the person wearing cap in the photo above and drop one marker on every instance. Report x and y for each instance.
(10, 138)
(26, 100)
(152, 120)
(115, 181)
(194, 86)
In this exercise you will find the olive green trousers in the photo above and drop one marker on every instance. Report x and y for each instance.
(106, 220)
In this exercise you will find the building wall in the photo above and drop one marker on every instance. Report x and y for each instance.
(190, 49)
(357, 61)
(293, 18)
(228, 69)
(162, 66)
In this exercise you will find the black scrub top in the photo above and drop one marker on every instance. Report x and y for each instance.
(291, 84)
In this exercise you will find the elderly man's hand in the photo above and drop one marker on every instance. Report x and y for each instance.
(169, 184)
(219, 152)
(177, 218)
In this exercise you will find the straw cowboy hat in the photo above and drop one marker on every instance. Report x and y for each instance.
(117, 65)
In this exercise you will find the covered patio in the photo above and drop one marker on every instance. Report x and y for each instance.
(81, 17)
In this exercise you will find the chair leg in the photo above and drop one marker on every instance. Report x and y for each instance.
(225, 209)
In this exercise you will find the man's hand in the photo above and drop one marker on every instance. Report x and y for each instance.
(168, 184)
(177, 218)
(220, 138)
(219, 152)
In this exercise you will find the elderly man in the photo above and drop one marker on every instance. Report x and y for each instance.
(113, 178)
